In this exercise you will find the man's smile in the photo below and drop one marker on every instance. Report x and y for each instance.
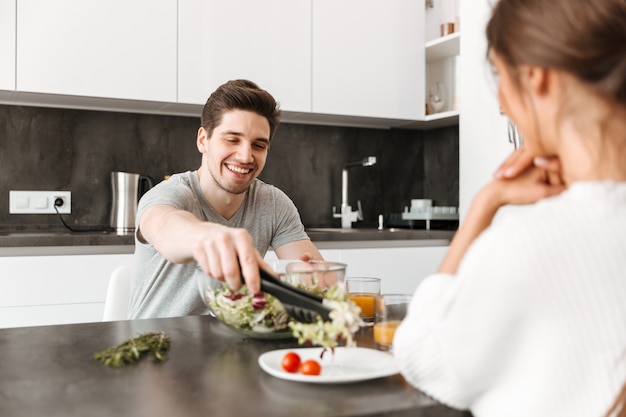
(237, 169)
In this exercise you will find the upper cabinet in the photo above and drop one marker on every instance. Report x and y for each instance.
(98, 48)
(366, 63)
(268, 42)
(368, 58)
(7, 45)
(483, 143)
(442, 27)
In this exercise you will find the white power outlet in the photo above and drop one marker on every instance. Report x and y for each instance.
(40, 202)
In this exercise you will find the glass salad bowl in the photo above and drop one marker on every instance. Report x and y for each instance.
(262, 316)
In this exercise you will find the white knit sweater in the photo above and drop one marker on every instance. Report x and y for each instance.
(534, 322)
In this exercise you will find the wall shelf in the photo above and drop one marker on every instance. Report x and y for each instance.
(432, 121)
(446, 46)
(442, 115)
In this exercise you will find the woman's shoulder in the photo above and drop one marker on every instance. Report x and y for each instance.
(581, 203)
(557, 228)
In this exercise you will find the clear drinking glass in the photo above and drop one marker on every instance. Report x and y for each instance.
(362, 291)
(390, 310)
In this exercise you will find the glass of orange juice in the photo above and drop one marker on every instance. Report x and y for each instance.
(390, 310)
(362, 290)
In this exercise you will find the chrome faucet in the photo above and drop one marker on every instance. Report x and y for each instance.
(348, 216)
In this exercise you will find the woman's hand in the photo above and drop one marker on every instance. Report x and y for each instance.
(516, 162)
(521, 179)
(524, 178)
(519, 160)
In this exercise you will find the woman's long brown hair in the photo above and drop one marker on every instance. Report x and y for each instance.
(619, 406)
(582, 37)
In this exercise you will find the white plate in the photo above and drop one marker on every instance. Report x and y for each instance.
(348, 364)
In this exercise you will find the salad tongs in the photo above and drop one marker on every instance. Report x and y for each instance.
(299, 304)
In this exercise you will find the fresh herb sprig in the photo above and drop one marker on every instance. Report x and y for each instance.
(134, 349)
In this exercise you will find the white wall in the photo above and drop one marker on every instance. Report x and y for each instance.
(483, 143)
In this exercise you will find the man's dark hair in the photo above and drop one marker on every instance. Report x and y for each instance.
(240, 95)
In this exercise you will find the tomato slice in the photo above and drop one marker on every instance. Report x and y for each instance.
(291, 362)
(311, 367)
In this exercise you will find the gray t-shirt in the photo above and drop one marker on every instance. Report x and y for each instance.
(165, 289)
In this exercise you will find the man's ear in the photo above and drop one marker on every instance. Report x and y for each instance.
(202, 139)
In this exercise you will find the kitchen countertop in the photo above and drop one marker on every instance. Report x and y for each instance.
(67, 243)
(64, 238)
(211, 370)
(64, 243)
(331, 238)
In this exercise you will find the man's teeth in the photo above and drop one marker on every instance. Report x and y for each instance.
(238, 170)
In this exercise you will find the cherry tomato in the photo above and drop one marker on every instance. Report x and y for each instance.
(291, 362)
(311, 367)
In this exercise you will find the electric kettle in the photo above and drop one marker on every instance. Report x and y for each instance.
(127, 188)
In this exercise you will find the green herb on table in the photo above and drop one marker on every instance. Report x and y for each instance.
(134, 349)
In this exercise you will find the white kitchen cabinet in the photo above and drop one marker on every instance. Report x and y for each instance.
(350, 58)
(352, 63)
(268, 42)
(368, 58)
(98, 48)
(7, 45)
(44, 290)
(400, 269)
(328, 255)
(483, 142)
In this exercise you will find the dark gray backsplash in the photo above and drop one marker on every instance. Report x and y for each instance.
(76, 150)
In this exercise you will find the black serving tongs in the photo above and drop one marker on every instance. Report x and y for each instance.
(299, 304)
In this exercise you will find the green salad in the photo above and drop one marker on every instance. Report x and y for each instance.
(263, 313)
(260, 312)
(345, 321)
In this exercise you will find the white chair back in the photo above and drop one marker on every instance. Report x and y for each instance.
(118, 294)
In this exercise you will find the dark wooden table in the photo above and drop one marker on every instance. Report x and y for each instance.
(211, 371)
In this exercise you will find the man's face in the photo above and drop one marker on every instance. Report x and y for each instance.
(236, 152)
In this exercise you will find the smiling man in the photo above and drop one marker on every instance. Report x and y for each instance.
(219, 218)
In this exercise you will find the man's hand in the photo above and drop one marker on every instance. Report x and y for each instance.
(222, 252)
(226, 254)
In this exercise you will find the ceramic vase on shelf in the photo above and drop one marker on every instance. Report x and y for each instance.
(436, 97)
